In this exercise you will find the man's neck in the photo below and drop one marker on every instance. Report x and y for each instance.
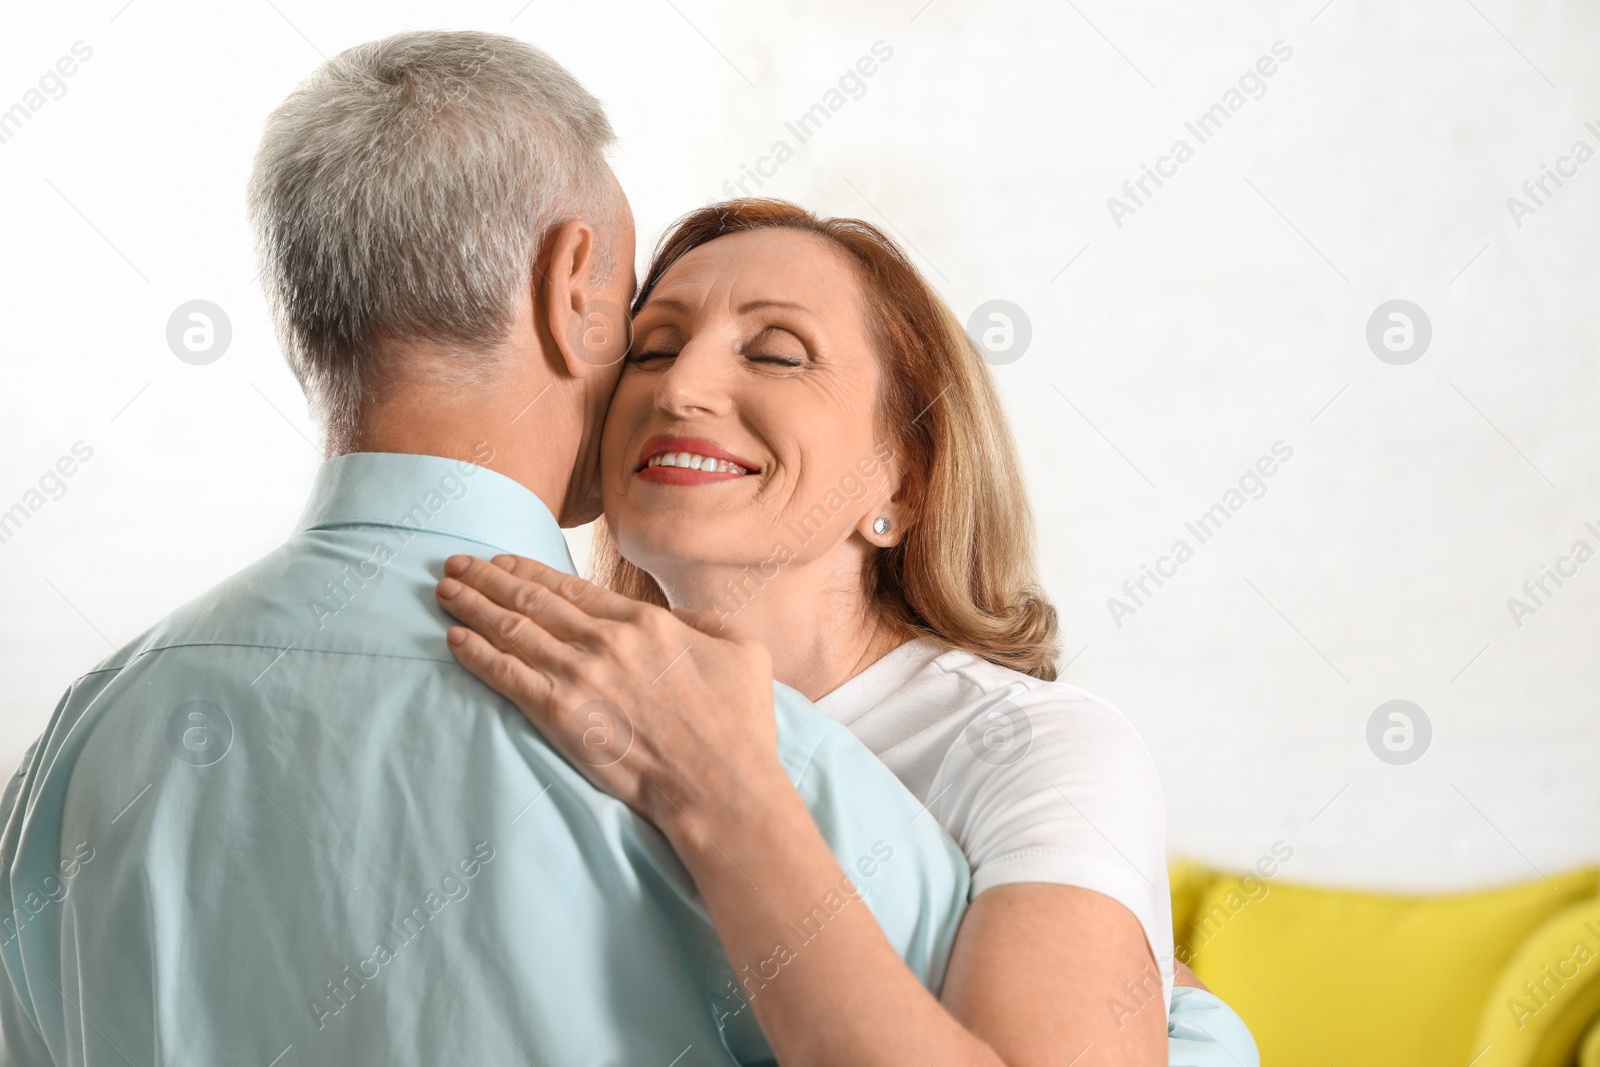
(496, 429)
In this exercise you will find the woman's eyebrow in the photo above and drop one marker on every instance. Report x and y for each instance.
(667, 302)
(756, 305)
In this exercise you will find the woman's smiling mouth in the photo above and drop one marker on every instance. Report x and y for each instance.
(690, 461)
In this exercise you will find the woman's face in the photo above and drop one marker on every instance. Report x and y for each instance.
(744, 428)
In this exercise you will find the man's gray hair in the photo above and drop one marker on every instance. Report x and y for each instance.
(401, 194)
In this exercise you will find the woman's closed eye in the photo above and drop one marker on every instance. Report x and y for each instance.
(655, 342)
(772, 347)
(768, 358)
(777, 361)
(777, 347)
(650, 354)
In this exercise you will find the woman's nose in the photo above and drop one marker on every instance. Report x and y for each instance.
(697, 381)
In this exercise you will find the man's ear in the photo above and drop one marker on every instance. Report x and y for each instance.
(586, 330)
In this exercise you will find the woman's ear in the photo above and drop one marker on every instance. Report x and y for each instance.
(884, 525)
(586, 330)
(888, 518)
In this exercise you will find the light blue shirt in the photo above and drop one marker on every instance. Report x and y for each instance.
(284, 827)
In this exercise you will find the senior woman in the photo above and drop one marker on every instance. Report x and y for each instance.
(804, 453)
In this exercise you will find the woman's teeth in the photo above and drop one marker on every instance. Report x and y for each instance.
(694, 462)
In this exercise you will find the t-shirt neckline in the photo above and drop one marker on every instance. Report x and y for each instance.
(872, 686)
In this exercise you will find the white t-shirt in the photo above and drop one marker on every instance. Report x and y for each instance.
(1036, 781)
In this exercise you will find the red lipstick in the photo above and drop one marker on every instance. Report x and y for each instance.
(696, 446)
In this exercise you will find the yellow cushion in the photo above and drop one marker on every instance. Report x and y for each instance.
(1379, 980)
(1547, 994)
(1188, 880)
(1589, 1051)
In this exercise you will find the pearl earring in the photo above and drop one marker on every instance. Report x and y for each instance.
(881, 526)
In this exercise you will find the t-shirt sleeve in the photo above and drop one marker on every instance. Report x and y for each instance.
(1051, 785)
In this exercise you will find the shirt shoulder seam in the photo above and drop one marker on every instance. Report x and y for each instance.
(1063, 690)
(113, 668)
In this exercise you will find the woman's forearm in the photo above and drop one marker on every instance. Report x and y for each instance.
(844, 996)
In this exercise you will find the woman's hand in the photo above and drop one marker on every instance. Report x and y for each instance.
(670, 720)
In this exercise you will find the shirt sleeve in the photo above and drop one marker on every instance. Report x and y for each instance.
(20, 1041)
(909, 870)
(1052, 785)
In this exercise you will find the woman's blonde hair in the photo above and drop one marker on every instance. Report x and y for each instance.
(963, 573)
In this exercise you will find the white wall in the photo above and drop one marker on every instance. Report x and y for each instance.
(1226, 314)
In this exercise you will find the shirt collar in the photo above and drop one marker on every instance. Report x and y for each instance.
(451, 497)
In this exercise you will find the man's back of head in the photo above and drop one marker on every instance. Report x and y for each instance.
(433, 210)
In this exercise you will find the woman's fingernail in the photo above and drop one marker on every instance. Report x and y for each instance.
(455, 635)
(505, 563)
(449, 588)
(457, 565)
